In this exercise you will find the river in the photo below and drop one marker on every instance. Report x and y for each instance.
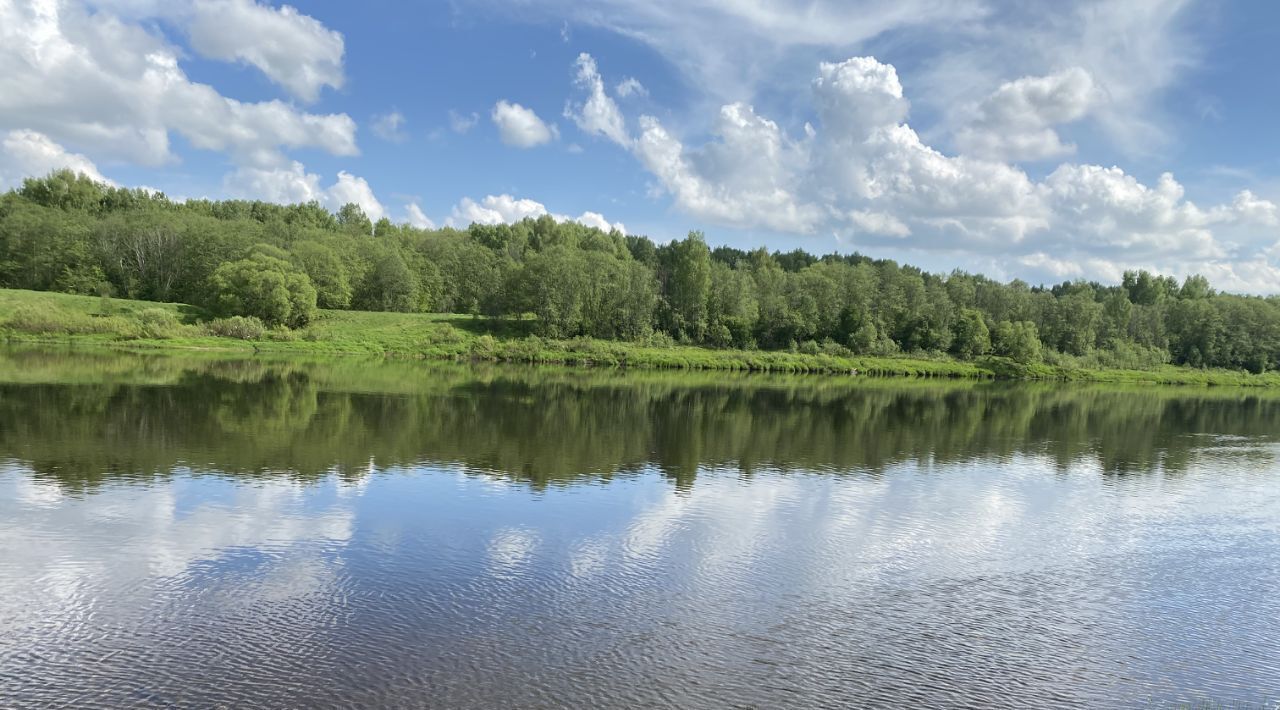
(205, 531)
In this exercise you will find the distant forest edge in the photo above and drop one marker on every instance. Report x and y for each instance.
(260, 267)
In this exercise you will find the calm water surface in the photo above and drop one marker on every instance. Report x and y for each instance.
(211, 532)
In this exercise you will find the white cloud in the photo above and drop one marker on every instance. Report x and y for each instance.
(291, 184)
(284, 185)
(857, 96)
(294, 50)
(877, 223)
(598, 114)
(746, 177)
(26, 154)
(388, 127)
(417, 218)
(961, 50)
(350, 188)
(1016, 121)
(729, 46)
(505, 209)
(520, 127)
(629, 87)
(494, 209)
(91, 80)
(1106, 209)
(1132, 51)
(461, 123)
(597, 220)
(867, 177)
(1250, 209)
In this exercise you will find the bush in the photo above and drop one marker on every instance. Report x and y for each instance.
(659, 339)
(1019, 341)
(834, 349)
(265, 286)
(156, 323)
(281, 334)
(486, 347)
(46, 320)
(238, 327)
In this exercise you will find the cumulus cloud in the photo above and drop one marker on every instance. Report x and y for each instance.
(293, 50)
(30, 154)
(417, 218)
(747, 176)
(505, 209)
(389, 127)
(1250, 209)
(494, 209)
(864, 175)
(1132, 52)
(520, 127)
(1016, 121)
(350, 188)
(292, 183)
(598, 114)
(94, 80)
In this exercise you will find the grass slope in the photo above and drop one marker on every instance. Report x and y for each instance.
(31, 316)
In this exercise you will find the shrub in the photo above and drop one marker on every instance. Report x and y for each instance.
(659, 339)
(156, 323)
(239, 327)
(1019, 341)
(834, 349)
(45, 320)
(265, 286)
(485, 346)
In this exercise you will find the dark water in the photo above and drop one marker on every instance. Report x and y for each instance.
(205, 532)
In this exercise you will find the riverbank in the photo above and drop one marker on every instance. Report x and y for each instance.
(29, 316)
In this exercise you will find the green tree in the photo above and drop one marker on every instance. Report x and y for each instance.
(266, 286)
(689, 285)
(732, 309)
(972, 337)
(389, 286)
(327, 273)
(353, 220)
(65, 189)
(1017, 341)
(1195, 287)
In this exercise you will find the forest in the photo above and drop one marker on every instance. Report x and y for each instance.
(282, 264)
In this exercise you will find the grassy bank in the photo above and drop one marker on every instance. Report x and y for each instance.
(30, 316)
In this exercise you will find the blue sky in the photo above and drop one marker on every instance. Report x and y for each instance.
(1045, 142)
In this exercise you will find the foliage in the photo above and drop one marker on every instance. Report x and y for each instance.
(451, 337)
(265, 286)
(562, 280)
(1017, 341)
(389, 286)
(238, 327)
(327, 273)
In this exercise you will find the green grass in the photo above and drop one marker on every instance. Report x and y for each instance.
(83, 320)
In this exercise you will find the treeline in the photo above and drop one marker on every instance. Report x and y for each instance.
(280, 263)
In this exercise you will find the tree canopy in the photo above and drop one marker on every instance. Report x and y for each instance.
(64, 232)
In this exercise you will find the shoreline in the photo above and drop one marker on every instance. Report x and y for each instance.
(132, 325)
(609, 355)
